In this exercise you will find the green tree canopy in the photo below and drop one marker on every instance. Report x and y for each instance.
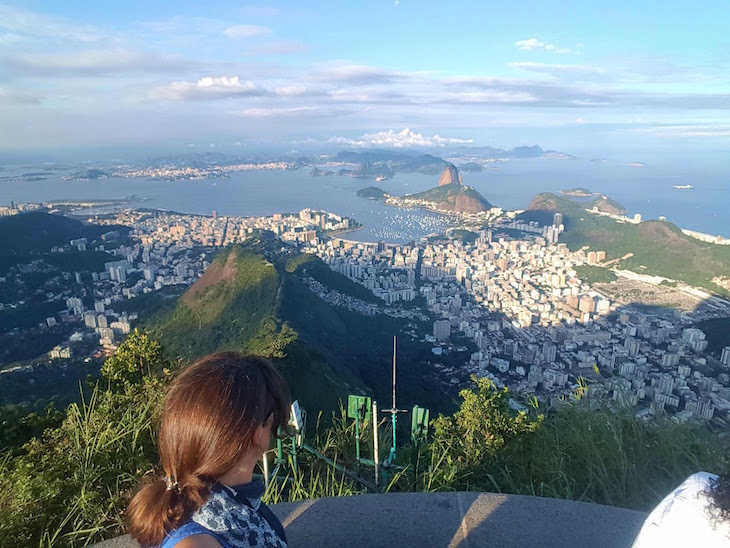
(139, 356)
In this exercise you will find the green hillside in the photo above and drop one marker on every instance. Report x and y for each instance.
(607, 205)
(254, 298)
(658, 247)
(454, 197)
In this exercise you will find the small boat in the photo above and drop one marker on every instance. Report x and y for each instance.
(683, 187)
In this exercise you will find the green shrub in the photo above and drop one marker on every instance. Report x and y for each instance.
(71, 485)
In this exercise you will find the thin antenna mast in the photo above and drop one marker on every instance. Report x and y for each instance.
(394, 341)
(393, 410)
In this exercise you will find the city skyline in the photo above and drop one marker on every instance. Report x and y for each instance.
(586, 80)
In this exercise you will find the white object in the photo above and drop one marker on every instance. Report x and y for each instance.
(682, 518)
(296, 416)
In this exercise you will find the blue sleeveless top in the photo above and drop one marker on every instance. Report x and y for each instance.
(235, 517)
(188, 530)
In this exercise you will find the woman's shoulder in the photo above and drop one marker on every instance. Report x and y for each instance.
(192, 535)
(199, 541)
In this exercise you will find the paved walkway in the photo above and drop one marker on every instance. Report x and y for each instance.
(450, 519)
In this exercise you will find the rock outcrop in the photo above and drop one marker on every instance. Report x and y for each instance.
(450, 176)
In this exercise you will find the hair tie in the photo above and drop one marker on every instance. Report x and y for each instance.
(172, 485)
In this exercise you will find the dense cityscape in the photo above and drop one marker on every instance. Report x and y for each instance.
(508, 289)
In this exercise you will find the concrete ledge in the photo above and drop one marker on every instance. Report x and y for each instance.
(450, 519)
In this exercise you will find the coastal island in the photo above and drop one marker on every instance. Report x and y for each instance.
(373, 193)
(316, 172)
(472, 167)
(577, 192)
(89, 174)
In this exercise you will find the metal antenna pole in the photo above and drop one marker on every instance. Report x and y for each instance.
(375, 444)
(394, 409)
(393, 413)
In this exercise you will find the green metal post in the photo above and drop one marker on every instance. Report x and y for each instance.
(394, 421)
(294, 452)
(279, 451)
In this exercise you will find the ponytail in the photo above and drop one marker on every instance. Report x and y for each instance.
(159, 508)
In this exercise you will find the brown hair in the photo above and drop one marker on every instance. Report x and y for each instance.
(212, 412)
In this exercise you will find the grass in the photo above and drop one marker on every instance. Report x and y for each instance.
(71, 486)
(609, 457)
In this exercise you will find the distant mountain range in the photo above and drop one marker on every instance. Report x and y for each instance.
(375, 162)
(516, 153)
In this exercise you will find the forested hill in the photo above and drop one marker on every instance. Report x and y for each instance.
(39, 231)
(454, 197)
(656, 247)
(254, 298)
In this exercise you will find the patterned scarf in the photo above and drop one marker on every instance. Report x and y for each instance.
(235, 519)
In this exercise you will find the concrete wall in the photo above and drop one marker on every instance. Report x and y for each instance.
(450, 519)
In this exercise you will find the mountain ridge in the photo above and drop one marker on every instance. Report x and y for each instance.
(255, 298)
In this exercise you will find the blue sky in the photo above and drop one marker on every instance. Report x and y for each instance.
(583, 77)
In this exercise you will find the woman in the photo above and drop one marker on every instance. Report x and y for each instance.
(218, 420)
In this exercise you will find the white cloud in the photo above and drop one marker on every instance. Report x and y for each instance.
(207, 88)
(495, 96)
(533, 44)
(18, 97)
(94, 62)
(580, 120)
(20, 21)
(242, 32)
(555, 68)
(685, 130)
(276, 112)
(355, 74)
(279, 47)
(293, 90)
(402, 139)
(223, 87)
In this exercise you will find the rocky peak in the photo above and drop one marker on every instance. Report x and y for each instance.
(450, 175)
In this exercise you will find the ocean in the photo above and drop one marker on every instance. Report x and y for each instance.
(511, 185)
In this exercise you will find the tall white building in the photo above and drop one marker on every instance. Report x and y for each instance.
(725, 358)
(442, 329)
(666, 384)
